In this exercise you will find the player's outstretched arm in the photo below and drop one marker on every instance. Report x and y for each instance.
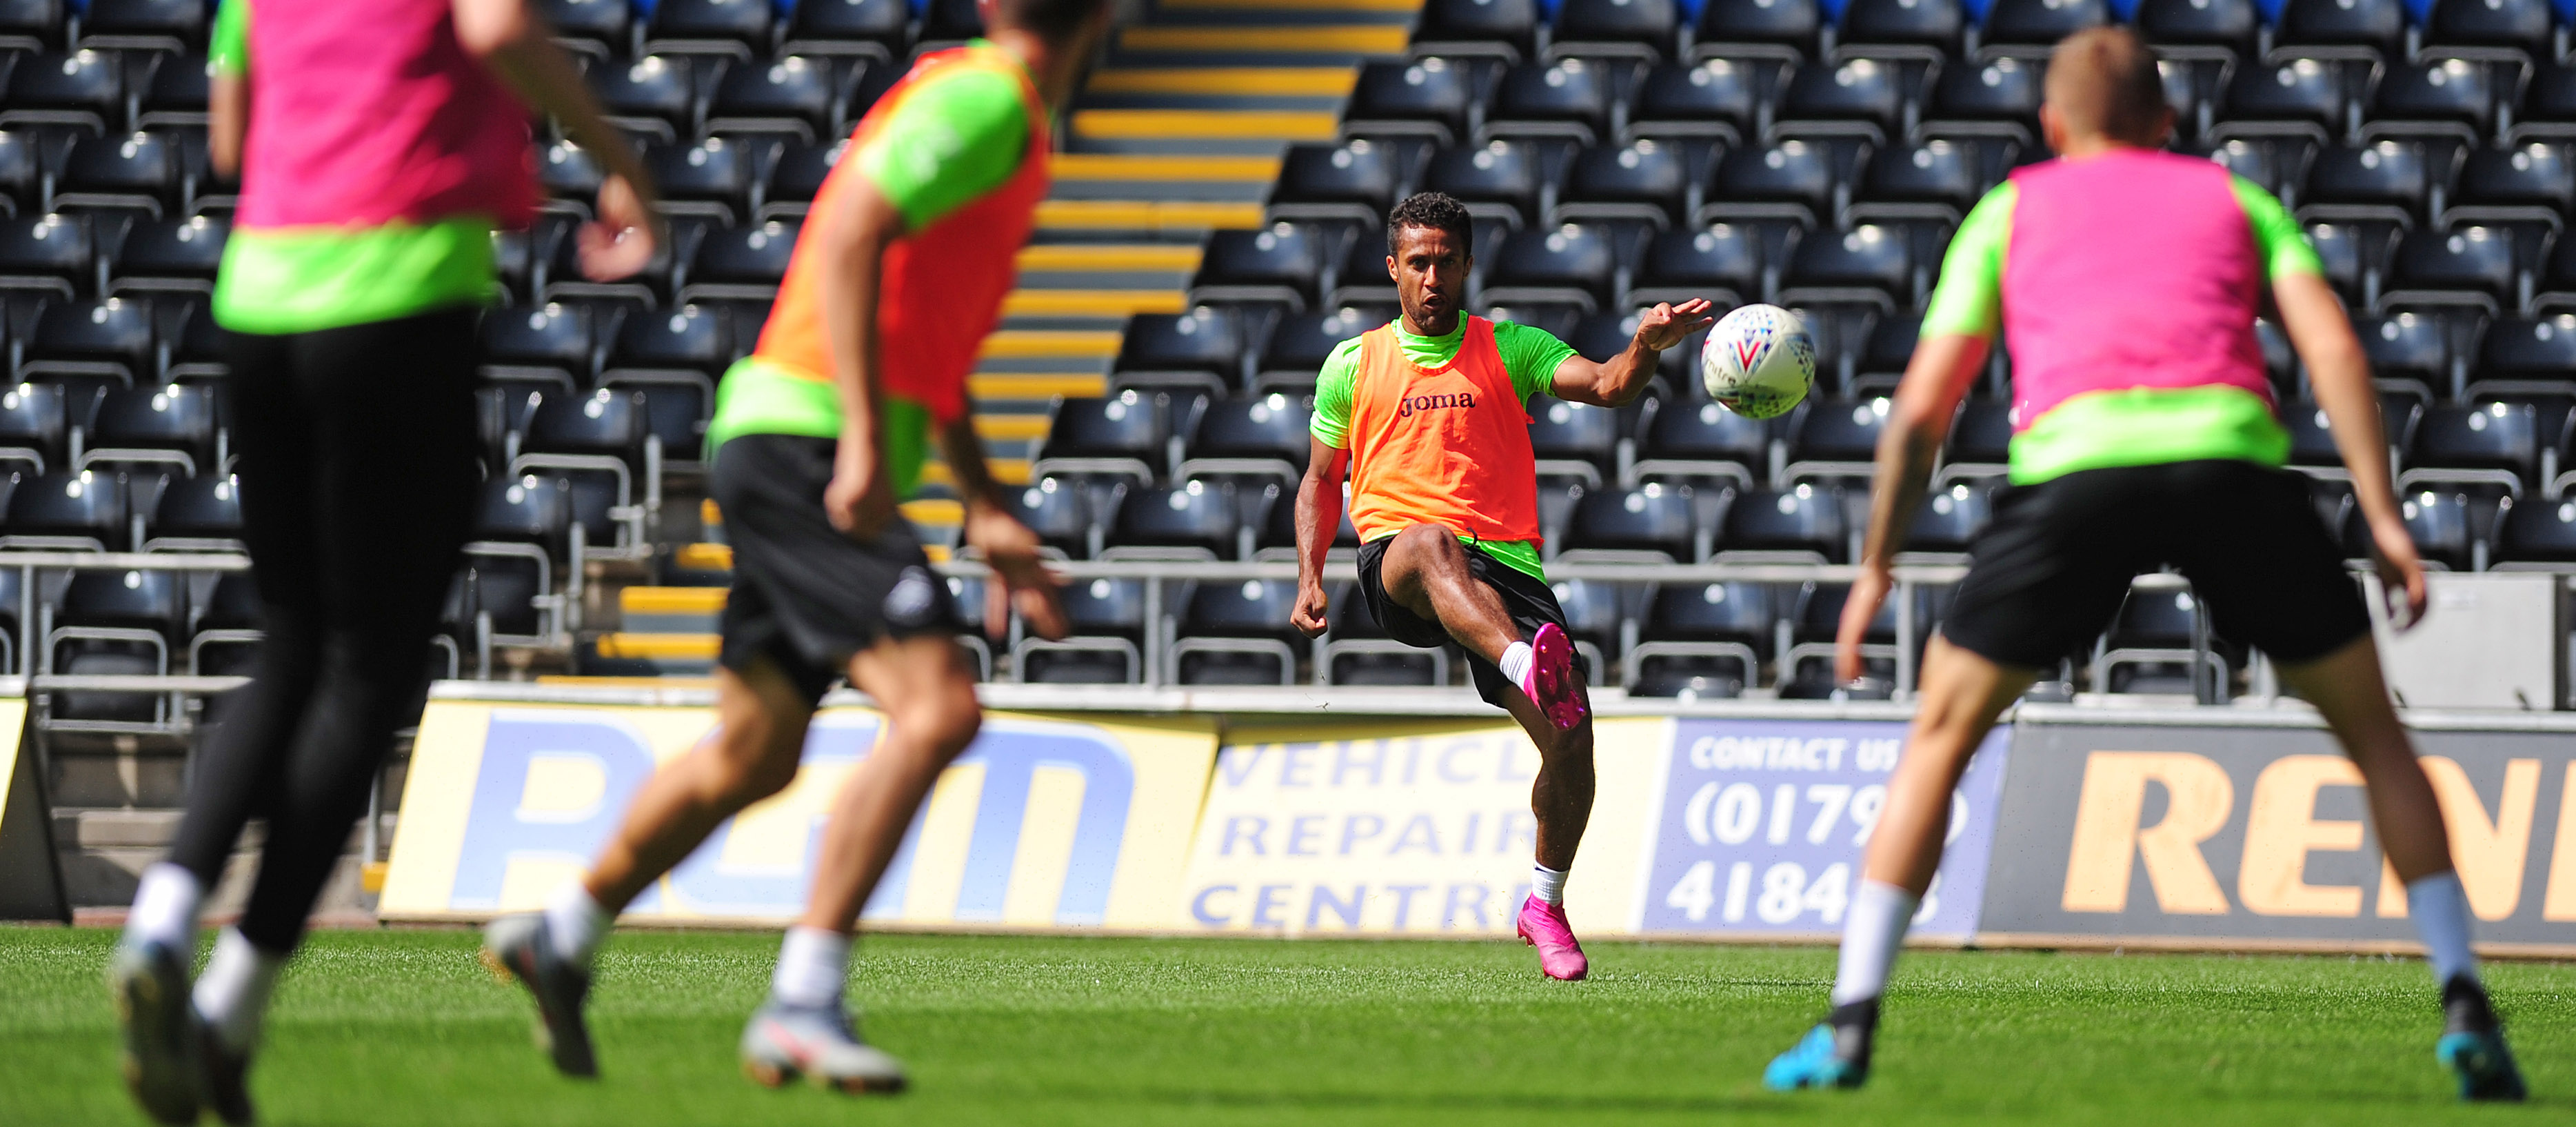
(1917, 423)
(1619, 380)
(1319, 516)
(516, 43)
(2339, 373)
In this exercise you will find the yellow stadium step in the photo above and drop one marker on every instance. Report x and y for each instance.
(1090, 303)
(1153, 216)
(1208, 125)
(1008, 471)
(935, 510)
(1010, 428)
(684, 647)
(1281, 82)
(671, 600)
(1069, 257)
(703, 557)
(1042, 385)
(1336, 39)
(1163, 167)
(1022, 343)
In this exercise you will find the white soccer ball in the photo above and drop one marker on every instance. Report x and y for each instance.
(1759, 361)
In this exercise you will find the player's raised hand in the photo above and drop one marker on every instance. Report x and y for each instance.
(859, 500)
(1868, 590)
(1667, 324)
(1020, 581)
(2401, 573)
(1308, 615)
(621, 241)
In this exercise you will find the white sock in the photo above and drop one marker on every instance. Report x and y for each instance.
(165, 909)
(2441, 910)
(812, 965)
(233, 993)
(576, 923)
(1547, 884)
(1872, 932)
(1515, 663)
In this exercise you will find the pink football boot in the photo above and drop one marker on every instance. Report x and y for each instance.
(1552, 683)
(1543, 926)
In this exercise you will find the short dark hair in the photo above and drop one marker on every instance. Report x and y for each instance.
(1434, 210)
(1052, 20)
(2103, 82)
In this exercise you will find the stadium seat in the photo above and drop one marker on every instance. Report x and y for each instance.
(2441, 90)
(1980, 440)
(737, 28)
(1807, 174)
(876, 28)
(103, 604)
(1259, 435)
(1836, 439)
(135, 173)
(1873, 90)
(196, 514)
(2039, 23)
(1428, 97)
(1716, 634)
(2542, 533)
(795, 175)
(1298, 347)
(1868, 256)
(1620, 29)
(599, 28)
(2151, 648)
(1238, 634)
(1059, 511)
(1499, 180)
(2387, 172)
(1805, 670)
(2478, 445)
(656, 95)
(2440, 523)
(33, 428)
(2199, 23)
(741, 262)
(711, 178)
(2524, 25)
(2473, 259)
(947, 21)
(111, 340)
(2409, 346)
(84, 89)
(22, 172)
(1204, 349)
(1574, 262)
(550, 343)
(1645, 179)
(795, 95)
(595, 441)
(1357, 651)
(1949, 520)
(2298, 88)
(67, 510)
(1191, 520)
(1126, 434)
(1781, 28)
(1842, 321)
(169, 255)
(167, 425)
(1355, 180)
(2542, 348)
(1570, 99)
(1804, 522)
(2534, 174)
(1718, 97)
(51, 254)
(1107, 617)
(1727, 263)
(1574, 439)
(1702, 441)
(673, 358)
(2377, 24)
(1459, 26)
(1652, 522)
(1953, 173)
(1282, 263)
(1935, 24)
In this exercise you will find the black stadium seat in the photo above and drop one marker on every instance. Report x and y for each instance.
(1356, 179)
(1238, 634)
(1430, 97)
(1657, 520)
(1569, 98)
(33, 427)
(2377, 24)
(201, 513)
(1719, 97)
(1643, 179)
(1862, 89)
(2521, 24)
(656, 94)
(1790, 24)
(1302, 342)
(1479, 24)
(64, 509)
(1191, 519)
(1903, 21)
(2201, 23)
(2441, 89)
(160, 426)
(794, 94)
(1059, 512)
(1617, 28)
(1573, 262)
(849, 27)
(1283, 262)
(2040, 23)
(1500, 179)
(1203, 348)
(1128, 433)
(1807, 520)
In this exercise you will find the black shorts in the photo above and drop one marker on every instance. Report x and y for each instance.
(2049, 572)
(1525, 597)
(805, 595)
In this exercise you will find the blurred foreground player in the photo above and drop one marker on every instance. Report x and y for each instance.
(384, 145)
(2126, 280)
(898, 277)
(1426, 415)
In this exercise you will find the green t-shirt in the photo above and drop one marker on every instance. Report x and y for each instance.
(296, 280)
(2136, 426)
(955, 136)
(1530, 357)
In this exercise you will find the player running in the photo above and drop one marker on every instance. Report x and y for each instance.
(896, 280)
(1426, 415)
(2126, 281)
(385, 146)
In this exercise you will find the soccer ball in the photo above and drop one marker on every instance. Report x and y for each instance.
(1759, 361)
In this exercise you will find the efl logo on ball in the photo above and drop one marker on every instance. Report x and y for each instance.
(1759, 361)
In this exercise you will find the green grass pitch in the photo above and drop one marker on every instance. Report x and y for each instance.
(404, 1028)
